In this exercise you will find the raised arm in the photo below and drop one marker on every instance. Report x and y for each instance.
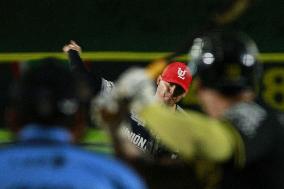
(73, 51)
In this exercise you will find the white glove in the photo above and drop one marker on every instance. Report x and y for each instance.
(133, 85)
(136, 86)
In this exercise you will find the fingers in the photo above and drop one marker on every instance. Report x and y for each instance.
(66, 48)
(72, 46)
(73, 43)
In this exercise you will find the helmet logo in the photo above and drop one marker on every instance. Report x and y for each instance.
(248, 60)
(208, 58)
(181, 73)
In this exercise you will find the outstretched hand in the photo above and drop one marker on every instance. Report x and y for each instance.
(72, 46)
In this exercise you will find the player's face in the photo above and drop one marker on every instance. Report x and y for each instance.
(169, 93)
(212, 102)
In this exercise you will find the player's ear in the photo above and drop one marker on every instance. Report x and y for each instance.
(184, 94)
(159, 78)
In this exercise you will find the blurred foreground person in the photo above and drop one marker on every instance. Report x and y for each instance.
(239, 136)
(46, 114)
(246, 138)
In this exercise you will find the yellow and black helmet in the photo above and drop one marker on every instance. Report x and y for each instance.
(226, 61)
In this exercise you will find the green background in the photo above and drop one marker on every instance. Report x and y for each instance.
(129, 25)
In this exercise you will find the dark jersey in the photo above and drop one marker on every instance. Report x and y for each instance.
(136, 133)
(139, 135)
(263, 138)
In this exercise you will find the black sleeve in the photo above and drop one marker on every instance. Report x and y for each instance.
(256, 128)
(77, 66)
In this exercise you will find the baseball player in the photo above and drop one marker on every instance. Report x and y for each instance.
(228, 75)
(172, 85)
(238, 134)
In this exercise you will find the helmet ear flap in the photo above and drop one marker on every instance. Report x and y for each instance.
(226, 61)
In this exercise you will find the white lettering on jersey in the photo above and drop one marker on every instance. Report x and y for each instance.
(139, 141)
